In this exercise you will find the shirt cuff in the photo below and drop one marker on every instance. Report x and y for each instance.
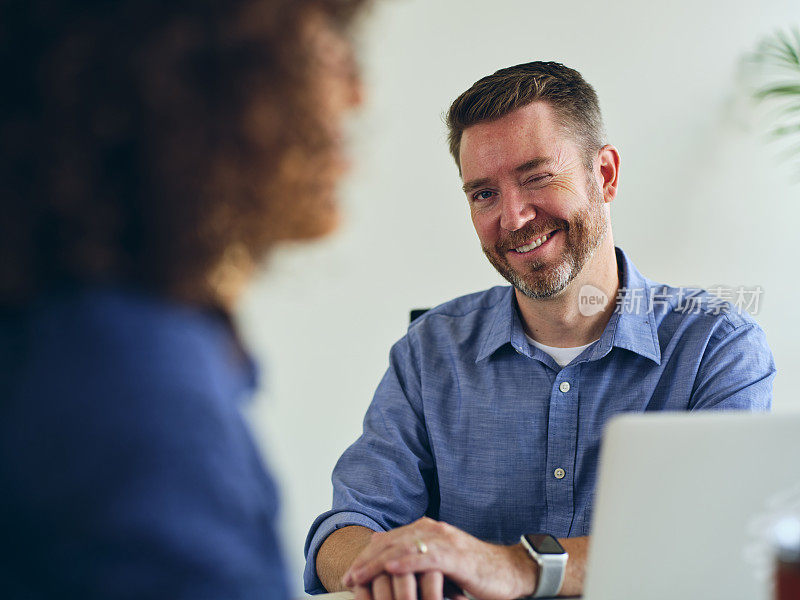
(327, 526)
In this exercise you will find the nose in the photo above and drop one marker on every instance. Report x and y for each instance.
(515, 211)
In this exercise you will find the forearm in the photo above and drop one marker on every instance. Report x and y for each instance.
(578, 550)
(337, 553)
(527, 571)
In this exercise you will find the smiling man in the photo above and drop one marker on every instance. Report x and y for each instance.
(479, 455)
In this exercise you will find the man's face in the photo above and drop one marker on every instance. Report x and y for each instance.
(526, 184)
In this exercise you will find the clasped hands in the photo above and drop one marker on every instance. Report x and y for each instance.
(428, 558)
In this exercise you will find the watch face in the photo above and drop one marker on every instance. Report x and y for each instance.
(544, 544)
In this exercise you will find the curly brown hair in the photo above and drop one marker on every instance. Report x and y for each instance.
(140, 141)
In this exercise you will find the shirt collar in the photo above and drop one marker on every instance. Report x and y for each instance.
(505, 325)
(631, 327)
(243, 368)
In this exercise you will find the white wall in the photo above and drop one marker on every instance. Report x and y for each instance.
(702, 201)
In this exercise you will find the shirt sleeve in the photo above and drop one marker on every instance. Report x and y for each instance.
(387, 477)
(736, 372)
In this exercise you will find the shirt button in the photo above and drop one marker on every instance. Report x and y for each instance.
(559, 473)
(564, 386)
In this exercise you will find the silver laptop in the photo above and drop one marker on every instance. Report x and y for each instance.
(686, 505)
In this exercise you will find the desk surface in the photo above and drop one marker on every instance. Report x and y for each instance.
(349, 596)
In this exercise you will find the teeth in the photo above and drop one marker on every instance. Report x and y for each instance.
(532, 245)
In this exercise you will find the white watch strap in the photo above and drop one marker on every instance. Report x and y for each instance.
(551, 575)
(552, 568)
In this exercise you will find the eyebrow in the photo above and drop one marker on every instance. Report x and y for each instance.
(529, 165)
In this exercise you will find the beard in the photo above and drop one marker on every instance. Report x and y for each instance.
(583, 234)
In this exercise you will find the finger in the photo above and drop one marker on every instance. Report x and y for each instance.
(372, 566)
(382, 546)
(380, 541)
(404, 587)
(362, 592)
(382, 588)
(431, 585)
(433, 560)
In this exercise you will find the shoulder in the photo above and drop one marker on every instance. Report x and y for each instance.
(698, 312)
(462, 313)
(121, 381)
(112, 341)
(685, 313)
(456, 329)
(701, 332)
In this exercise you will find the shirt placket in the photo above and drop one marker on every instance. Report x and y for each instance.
(561, 448)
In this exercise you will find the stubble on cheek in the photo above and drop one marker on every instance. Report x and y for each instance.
(582, 235)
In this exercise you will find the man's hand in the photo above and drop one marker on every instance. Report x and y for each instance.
(386, 568)
(428, 586)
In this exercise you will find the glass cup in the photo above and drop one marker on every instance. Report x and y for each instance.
(787, 559)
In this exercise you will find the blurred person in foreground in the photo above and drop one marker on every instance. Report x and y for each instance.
(152, 154)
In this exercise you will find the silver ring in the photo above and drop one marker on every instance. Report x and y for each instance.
(422, 547)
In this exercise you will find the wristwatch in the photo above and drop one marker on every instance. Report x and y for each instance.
(552, 560)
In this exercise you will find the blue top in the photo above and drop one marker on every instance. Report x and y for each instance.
(475, 426)
(126, 469)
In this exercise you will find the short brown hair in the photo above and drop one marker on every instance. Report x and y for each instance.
(494, 96)
(141, 140)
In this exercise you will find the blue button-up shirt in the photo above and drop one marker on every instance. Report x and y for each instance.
(475, 426)
(126, 468)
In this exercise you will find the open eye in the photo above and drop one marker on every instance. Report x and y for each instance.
(482, 195)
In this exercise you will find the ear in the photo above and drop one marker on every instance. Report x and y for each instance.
(608, 166)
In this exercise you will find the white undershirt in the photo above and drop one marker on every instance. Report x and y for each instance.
(562, 356)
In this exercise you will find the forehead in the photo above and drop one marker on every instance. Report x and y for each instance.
(532, 131)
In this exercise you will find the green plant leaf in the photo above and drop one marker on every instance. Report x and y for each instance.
(777, 66)
(783, 130)
(786, 89)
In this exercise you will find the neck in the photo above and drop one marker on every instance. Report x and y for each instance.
(558, 321)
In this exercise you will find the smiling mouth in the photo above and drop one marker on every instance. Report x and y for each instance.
(535, 243)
